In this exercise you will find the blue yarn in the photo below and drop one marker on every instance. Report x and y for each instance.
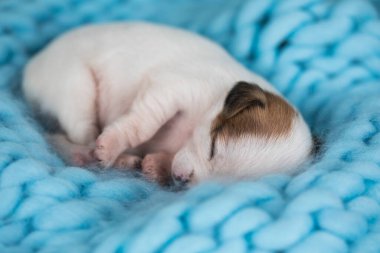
(323, 55)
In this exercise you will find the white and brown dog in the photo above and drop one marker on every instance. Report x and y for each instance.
(167, 99)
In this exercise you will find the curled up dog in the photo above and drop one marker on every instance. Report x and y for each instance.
(172, 103)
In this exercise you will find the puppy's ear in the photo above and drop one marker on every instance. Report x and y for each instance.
(248, 109)
(241, 97)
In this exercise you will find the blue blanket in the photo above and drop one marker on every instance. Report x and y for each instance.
(324, 55)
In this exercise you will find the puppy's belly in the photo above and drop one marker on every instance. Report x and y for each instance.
(170, 138)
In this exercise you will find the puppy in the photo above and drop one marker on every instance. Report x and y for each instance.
(172, 102)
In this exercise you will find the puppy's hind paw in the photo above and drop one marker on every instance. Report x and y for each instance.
(82, 158)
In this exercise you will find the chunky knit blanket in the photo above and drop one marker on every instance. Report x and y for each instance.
(324, 55)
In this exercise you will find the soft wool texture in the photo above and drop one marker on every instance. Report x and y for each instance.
(323, 55)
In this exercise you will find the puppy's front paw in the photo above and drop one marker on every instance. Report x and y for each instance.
(156, 167)
(108, 148)
(127, 161)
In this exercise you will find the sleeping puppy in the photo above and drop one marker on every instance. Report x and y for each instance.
(172, 102)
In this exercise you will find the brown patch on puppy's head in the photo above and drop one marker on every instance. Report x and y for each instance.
(250, 110)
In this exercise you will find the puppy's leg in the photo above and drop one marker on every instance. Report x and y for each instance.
(72, 154)
(147, 115)
(77, 113)
(156, 167)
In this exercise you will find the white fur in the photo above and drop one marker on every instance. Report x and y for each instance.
(133, 78)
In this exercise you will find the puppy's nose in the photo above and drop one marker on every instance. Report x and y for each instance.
(181, 179)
